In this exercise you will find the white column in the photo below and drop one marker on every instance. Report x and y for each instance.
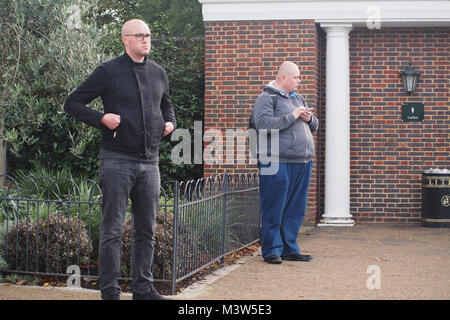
(337, 144)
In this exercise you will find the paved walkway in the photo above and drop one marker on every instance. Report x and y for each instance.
(362, 262)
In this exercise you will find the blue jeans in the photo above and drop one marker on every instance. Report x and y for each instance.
(120, 180)
(283, 198)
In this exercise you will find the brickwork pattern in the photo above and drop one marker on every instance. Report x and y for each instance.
(387, 154)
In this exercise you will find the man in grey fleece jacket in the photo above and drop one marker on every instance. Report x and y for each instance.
(283, 192)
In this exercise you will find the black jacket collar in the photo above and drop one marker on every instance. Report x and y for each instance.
(127, 58)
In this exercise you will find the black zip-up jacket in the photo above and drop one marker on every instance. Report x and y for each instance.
(139, 93)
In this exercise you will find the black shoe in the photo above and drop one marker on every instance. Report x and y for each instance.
(152, 295)
(297, 257)
(275, 259)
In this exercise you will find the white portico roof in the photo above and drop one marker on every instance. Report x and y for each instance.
(397, 13)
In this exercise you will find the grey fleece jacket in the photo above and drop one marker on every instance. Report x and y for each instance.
(296, 142)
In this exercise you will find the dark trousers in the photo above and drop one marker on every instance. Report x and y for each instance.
(120, 180)
(283, 198)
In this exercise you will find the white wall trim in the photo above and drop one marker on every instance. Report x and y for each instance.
(396, 13)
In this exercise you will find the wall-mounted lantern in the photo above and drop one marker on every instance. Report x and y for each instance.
(410, 77)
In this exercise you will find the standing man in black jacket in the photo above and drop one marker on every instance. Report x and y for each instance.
(137, 113)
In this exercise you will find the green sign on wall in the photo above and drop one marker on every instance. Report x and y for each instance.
(412, 111)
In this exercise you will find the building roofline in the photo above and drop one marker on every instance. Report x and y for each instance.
(396, 13)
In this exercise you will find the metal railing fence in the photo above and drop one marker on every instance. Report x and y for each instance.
(48, 225)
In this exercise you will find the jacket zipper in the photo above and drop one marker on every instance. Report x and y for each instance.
(306, 133)
(307, 139)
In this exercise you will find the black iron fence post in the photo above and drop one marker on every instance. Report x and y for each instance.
(224, 216)
(175, 237)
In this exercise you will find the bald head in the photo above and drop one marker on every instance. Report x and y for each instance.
(288, 77)
(287, 68)
(130, 26)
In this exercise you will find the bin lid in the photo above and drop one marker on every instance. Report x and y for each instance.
(436, 172)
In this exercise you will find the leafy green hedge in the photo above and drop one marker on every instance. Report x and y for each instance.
(42, 61)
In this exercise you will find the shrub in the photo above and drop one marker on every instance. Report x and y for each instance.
(163, 250)
(49, 245)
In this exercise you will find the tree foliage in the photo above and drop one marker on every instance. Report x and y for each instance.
(49, 50)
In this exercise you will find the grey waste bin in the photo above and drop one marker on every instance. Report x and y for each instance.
(436, 200)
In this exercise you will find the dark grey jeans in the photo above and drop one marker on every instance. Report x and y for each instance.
(120, 180)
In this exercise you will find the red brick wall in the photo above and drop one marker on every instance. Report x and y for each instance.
(388, 155)
(240, 58)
